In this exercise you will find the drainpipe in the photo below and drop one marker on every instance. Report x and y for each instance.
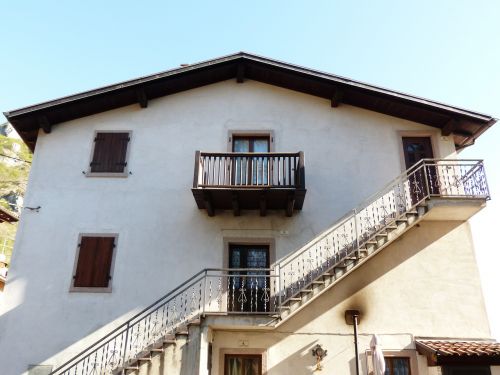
(352, 318)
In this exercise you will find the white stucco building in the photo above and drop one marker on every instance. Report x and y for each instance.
(310, 195)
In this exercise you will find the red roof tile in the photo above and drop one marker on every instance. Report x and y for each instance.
(461, 348)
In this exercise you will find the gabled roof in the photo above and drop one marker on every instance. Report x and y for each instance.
(465, 125)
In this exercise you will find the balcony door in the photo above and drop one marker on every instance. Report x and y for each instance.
(249, 291)
(251, 170)
(416, 149)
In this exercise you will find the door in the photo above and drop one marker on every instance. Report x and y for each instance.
(241, 364)
(251, 171)
(416, 149)
(249, 291)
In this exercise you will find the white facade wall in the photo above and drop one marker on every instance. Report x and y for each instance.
(163, 239)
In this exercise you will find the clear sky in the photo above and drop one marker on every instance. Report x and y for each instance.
(443, 50)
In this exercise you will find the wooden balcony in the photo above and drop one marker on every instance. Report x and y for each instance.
(249, 181)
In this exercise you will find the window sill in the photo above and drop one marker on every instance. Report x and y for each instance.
(107, 174)
(79, 289)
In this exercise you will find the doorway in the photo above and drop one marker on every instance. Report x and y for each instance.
(415, 149)
(242, 364)
(249, 290)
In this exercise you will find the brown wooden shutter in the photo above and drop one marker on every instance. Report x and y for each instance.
(84, 267)
(102, 264)
(94, 262)
(110, 152)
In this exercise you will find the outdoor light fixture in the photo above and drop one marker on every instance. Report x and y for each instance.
(352, 319)
(319, 353)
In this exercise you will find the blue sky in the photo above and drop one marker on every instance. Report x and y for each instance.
(443, 50)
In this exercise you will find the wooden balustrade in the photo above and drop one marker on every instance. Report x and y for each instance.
(237, 169)
(243, 180)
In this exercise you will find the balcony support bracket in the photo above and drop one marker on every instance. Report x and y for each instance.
(208, 203)
(236, 204)
(290, 204)
(263, 204)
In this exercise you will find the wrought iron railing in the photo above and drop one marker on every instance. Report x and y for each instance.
(228, 291)
(428, 178)
(249, 169)
(263, 291)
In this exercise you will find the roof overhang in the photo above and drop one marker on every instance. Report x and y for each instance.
(464, 125)
(459, 352)
(6, 216)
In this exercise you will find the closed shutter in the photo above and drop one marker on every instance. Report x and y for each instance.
(94, 262)
(102, 264)
(110, 152)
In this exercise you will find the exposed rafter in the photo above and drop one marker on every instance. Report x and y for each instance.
(337, 97)
(244, 66)
(240, 73)
(449, 127)
(142, 98)
(44, 124)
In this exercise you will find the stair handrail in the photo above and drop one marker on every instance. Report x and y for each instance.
(129, 322)
(348, 215)
(370, 199)
(421, 172)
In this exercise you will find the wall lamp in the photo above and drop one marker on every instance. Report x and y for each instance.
(319, 353)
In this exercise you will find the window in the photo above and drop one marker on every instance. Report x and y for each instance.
(242, 364)
(109, 154)
(397, 366)
(250, 143)
(94, 262)
(251, 171)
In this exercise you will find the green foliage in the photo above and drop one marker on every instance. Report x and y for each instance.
(15, 163)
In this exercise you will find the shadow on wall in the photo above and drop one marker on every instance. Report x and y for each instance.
(344, 295)
(344, 292)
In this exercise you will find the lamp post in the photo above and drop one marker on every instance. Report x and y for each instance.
(352, 318)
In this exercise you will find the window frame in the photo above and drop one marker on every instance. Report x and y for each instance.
(392, 357)
(88, 289)
(411, 354)
(218, 357)
(125, 172)
(240, 355)
(250, 133)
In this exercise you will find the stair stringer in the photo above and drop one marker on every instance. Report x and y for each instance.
(177, 355)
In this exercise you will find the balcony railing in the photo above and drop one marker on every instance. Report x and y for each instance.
(246, 170)
(234, 180)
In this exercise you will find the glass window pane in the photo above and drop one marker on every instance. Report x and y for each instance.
(397, 366)
(401, 366)
(241, 145)
(260, 145)
(235, 261)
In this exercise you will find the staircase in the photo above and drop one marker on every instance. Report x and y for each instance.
(295, 280)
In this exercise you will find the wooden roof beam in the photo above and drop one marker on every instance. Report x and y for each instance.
(240, 73)
(43, 123)
(337, 97)
(142, 98)
(449, 127)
